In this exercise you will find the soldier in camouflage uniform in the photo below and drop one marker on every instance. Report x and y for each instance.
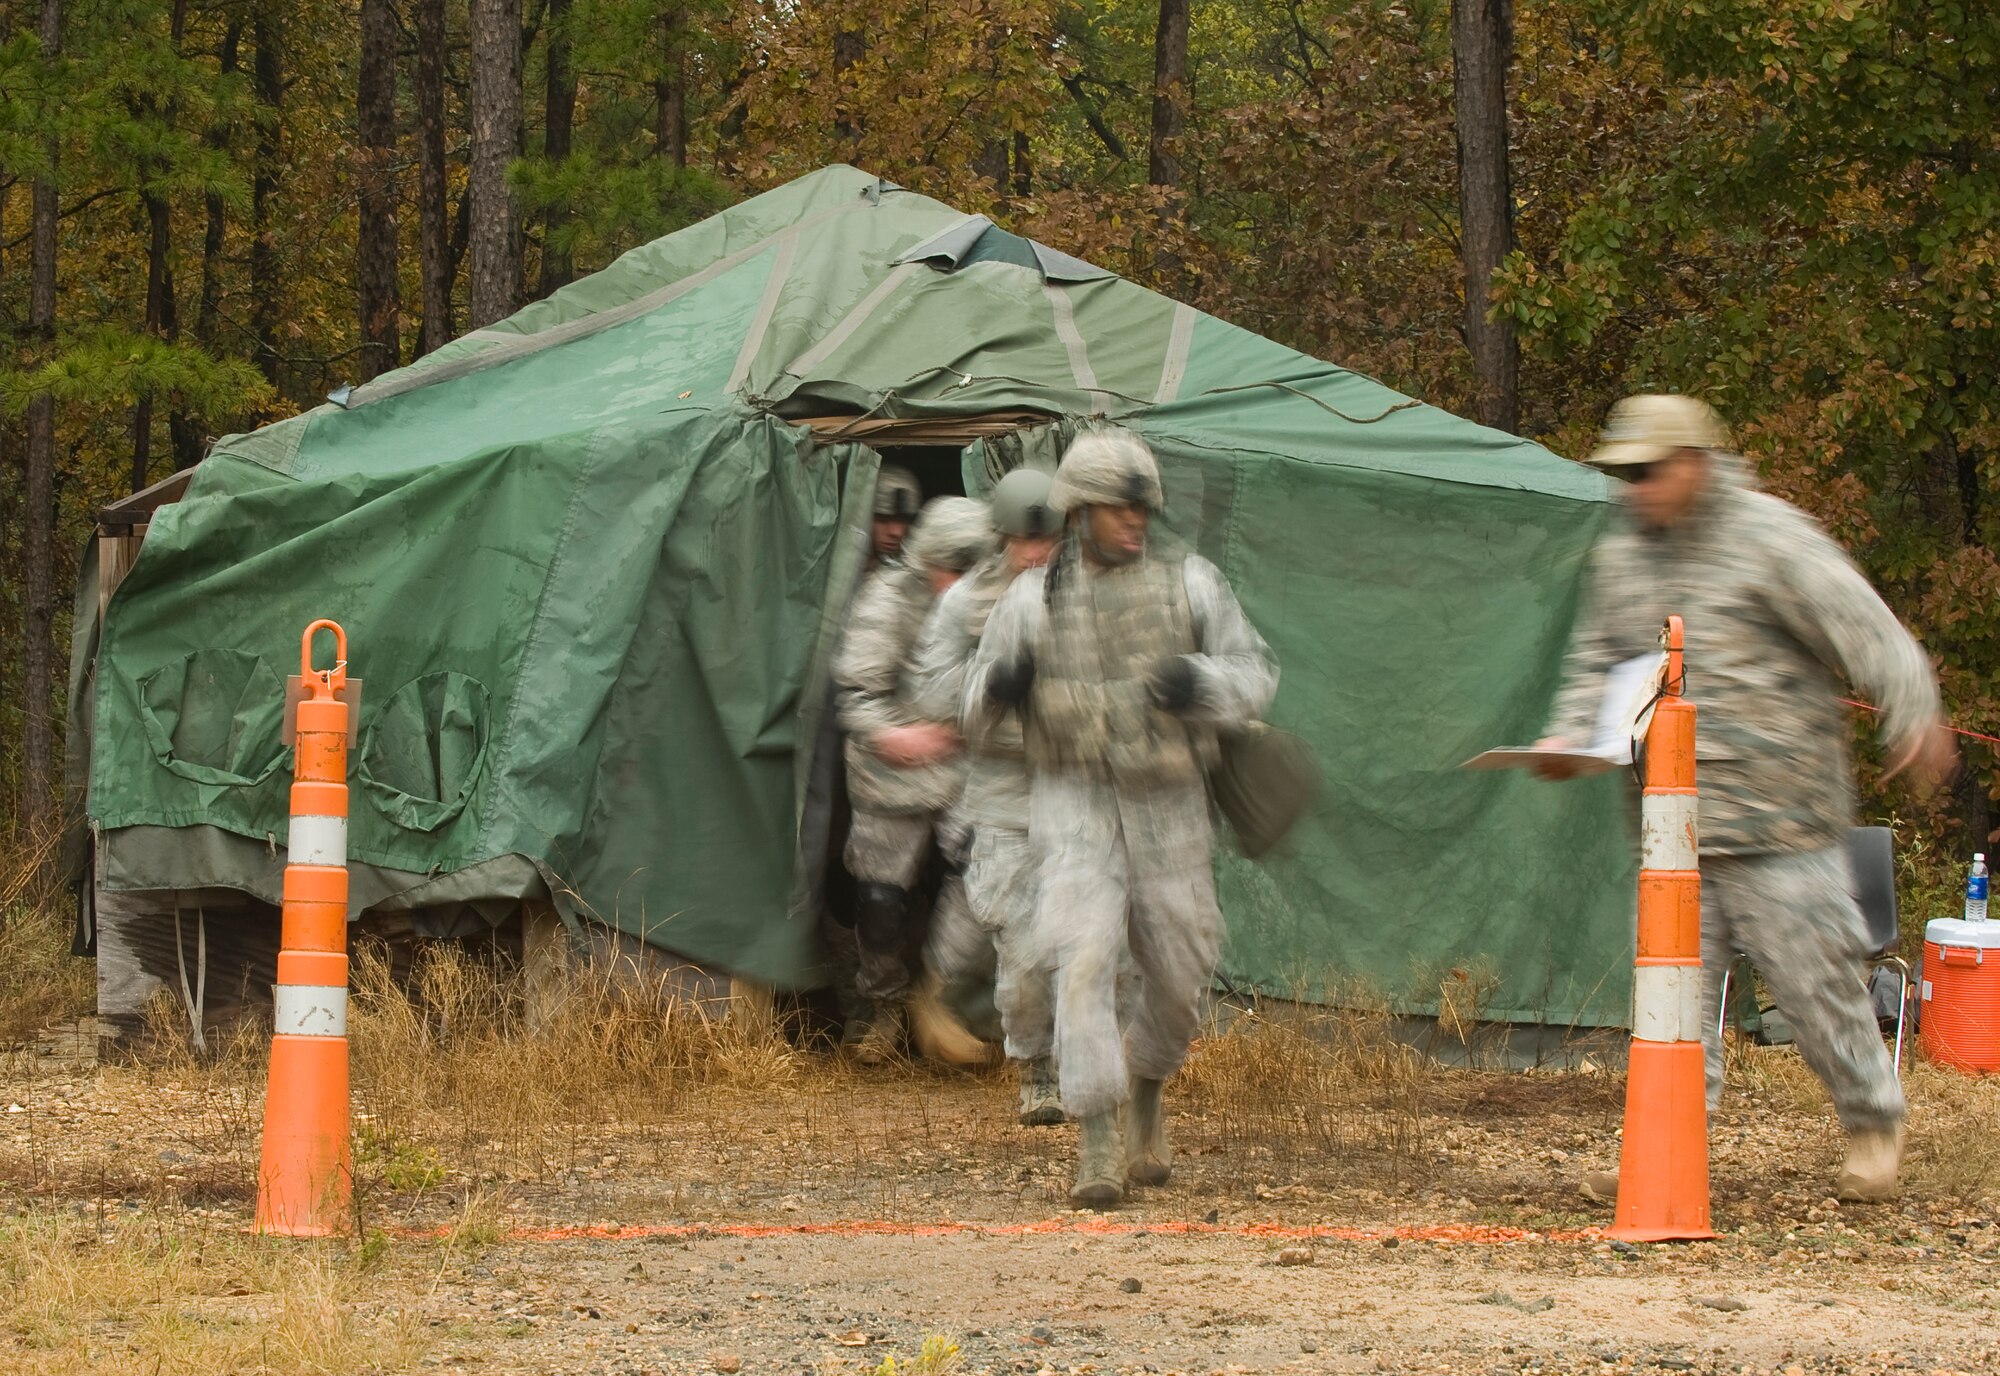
(903, 772)
(1125, 663)
(898, 498)
(982, 918)
(1776, 616)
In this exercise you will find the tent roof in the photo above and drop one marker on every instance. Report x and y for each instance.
(840, 293)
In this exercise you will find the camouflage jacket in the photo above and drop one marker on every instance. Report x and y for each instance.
(1776, 616)
(996, 784)
(875, 689)
(1236, 676)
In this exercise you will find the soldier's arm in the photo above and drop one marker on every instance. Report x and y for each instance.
(866, 670)
(1824, 600)
(1011, 631)
(1593, 649)
(1236, 675)
(944, 652)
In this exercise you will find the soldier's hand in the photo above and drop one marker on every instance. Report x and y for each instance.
(1553, 770)
(1930, 760)
(916, 745)
(1173, 684)
(1008, 684)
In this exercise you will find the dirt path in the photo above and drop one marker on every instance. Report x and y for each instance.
(832, 1220)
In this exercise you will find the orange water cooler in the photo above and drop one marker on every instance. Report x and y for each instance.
(1961, 994)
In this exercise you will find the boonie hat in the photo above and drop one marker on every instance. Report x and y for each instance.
(1645, 429)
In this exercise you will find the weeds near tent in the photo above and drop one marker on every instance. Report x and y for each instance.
(459, 1058)
(40, 981)
(1298, 1079)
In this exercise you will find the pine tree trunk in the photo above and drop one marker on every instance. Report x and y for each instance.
(848, 47)
(1024, 168)
(38, 494)
(670, 93)
(159, 297)
(375, 254)
(437, 266)
(496, 129)
(267, 79)
(558, 131)
(163, 313)
(208, 314)
(1482, 43)
(1170, 93)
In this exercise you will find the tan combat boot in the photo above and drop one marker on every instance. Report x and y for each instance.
(877, 1037)
(938, 1033)
(1873, 1159)
(1149, 1160)
(1100, 1166)
(1041, 1103)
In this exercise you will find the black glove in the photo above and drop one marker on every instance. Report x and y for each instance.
(1008, 684)
(1173, 684)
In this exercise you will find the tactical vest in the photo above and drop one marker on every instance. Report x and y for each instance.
(1105, 632)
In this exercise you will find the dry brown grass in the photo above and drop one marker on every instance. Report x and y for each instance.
(1301, 1080)
(1954, 1152)
(40, 981)
(174, 1297)
(462, 1060)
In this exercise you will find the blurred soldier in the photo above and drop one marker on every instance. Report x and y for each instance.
(982, 917)
(898, 498)
(1126, 663)
(903, 772)
(1776, 617)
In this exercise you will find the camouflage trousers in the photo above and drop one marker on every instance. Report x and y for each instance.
(1793, 914)
(983, 924)
(887, 848)
(1125, 885)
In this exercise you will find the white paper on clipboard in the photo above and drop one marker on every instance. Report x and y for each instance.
(1624, 712)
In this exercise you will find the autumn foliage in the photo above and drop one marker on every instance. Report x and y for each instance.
(1791, 207)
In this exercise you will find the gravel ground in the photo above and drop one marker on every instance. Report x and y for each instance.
(841, 1220)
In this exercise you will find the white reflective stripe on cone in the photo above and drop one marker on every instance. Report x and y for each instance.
(1666, 1003)
(310, 1010)
(318, 841)
(1669, 831)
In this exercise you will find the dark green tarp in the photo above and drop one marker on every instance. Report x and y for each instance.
(589, 565)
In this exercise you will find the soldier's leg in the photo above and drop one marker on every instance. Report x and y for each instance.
(884, 853)
(1176, 936)
(1000, 879)
(1795, 916)
(958, 946)
(1079, 931)
(1718, 949)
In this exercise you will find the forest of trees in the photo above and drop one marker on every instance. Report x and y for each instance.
(212, 212)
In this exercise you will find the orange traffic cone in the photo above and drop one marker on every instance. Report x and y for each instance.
(306, 1181)
(1663, 1167)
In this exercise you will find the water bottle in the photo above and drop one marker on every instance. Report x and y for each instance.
(1975, 891)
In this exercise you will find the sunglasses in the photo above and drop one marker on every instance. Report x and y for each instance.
(1639, 472)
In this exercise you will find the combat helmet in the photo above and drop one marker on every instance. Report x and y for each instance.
(951, 533)
(1021, 508)
(898, 495)
(1107, 467)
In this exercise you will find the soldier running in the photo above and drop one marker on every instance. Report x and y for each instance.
(1126, 662)
(983, 915)
(1776, 616)
(903, 771)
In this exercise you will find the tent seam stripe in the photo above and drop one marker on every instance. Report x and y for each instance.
(1173, 368)
(760, 324)
(522, 346)
(1073, 345)
(852, 321)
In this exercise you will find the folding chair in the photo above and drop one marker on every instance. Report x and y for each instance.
(1871, 853)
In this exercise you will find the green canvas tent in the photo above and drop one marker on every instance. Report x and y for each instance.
(590, 559)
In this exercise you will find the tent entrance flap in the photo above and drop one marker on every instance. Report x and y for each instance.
(882, 432)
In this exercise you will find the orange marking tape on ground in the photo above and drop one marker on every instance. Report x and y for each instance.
(1477, 1233)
